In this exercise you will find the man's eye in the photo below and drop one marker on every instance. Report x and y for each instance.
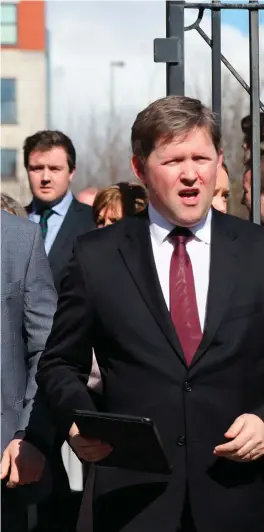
(171, 162)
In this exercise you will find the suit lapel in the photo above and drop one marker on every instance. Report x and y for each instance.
(223, 265)
(136, 251)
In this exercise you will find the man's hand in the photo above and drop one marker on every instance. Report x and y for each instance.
(247, 433)
(88, 449)
(22, 462)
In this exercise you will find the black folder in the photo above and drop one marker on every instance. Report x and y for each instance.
(135, 440)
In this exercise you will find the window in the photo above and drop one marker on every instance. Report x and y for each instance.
(8, 17)
(8, 101)
(8, 164)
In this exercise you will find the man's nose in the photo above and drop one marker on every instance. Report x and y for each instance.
(189, 173)
(45, 175)
(188, 179)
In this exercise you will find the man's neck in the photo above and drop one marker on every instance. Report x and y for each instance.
(40, 205)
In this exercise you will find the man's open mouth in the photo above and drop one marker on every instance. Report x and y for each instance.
(189, 193)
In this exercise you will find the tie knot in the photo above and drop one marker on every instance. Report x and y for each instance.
(45, 213)
(180, 235)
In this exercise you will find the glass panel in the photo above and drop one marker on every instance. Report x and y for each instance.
(7, 89)
(8, 164)
(8, 113)
(8, 14)
(8, 34)
(8, 101)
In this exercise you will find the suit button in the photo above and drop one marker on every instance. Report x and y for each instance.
(181, 441)
(187, 387)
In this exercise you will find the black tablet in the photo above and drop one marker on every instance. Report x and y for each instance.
(135, 440)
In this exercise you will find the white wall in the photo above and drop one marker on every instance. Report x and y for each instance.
(29, 70)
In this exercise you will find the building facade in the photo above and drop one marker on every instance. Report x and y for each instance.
(24, 84)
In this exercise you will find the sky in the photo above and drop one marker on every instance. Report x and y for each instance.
(86, 36)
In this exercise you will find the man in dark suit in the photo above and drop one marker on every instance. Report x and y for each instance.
(28, 303)
(50, 161)
(173, 303)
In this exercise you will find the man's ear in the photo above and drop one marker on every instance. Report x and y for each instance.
(138, 168)
(71, 175)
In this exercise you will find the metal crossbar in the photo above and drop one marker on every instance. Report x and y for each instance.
(219, 5)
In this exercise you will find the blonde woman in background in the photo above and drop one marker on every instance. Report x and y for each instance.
(222, 190)
(118, 201)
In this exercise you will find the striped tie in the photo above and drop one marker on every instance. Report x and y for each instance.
(43, 222)
(183, 304)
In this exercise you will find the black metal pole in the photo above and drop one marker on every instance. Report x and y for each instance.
(216, 62)
(175, 29)
(255, 113)
(223, 5)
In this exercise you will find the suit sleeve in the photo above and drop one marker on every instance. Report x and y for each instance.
(260, 262)
(66, 362)
(39, 306)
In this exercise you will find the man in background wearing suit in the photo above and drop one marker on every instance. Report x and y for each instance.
(173, 302)
(28, 303)
(50, 161)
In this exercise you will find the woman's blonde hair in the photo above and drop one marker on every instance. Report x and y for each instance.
(12, 206)
(132, 197)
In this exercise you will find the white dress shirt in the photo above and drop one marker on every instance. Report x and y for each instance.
(199, 252)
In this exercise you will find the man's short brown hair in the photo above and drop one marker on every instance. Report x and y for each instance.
(166, 118)
(246, 126)
(248, 166)
(46, 140)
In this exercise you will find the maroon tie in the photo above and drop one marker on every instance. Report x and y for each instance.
(183, 304)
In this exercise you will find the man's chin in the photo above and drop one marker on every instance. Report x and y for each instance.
(190, 216)
(46, 198)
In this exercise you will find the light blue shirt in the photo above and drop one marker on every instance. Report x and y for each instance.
(55, 221)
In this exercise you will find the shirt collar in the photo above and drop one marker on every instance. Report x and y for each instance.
(160, 227)
(62, 206)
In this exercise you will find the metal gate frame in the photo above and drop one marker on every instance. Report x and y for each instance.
(170, 50)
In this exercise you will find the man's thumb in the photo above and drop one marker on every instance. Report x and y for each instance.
(235, 428)
(5, 464)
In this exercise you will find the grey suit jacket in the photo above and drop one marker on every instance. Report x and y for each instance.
(28, 303)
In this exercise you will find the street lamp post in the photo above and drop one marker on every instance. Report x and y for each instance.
(113, 66)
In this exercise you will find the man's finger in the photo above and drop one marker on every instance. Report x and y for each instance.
(229, 447)
(246, 449)
(14, 476)
(236, 444)
(235, 428)
(96, 450)
(96, 454)
(5, 465)
(82, 442)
